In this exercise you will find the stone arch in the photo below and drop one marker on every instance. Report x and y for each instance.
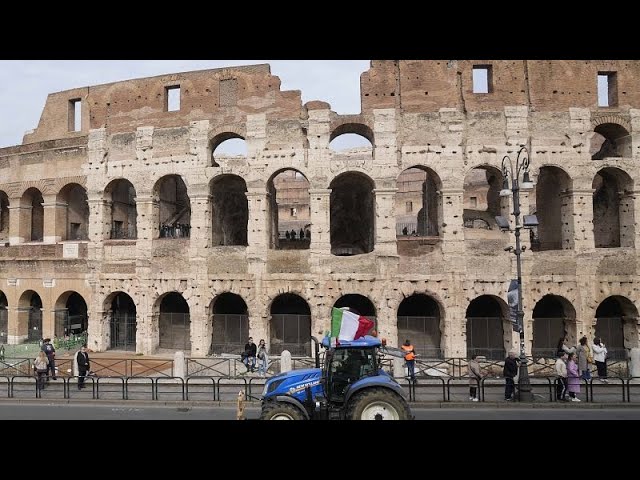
(289, 210)
(481, 195)
(121, 316)
(4, 317)
(221, 137)
(121, 213)
(487, 327)
(613, 209)
(616, 323)
(4, 218)
(32, 215)
(418, 204)
(171, 207)
(554, 318)
(553, 209)
(173, 320)
(230, 322)
(419, 319)
(71, 314)
(72, 213)
(352, 214)
(229, 210)
(30, 316)
(359, 304)
(290, 325)
(611, 138)
(344, 126)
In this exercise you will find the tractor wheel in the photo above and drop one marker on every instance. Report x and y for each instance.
(378, 404)
(281, 411)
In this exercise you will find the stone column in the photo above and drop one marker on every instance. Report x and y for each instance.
(16, 326)
(452, 227)
(319, 199)
(200, 235)
(55, 219)
(258, 226)
(146, 230)
(99, 225)
(385, 223)
(18, 217)
(582, 206)
(629, 215)
(200, 333)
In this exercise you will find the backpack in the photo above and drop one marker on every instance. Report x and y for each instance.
(48, 349)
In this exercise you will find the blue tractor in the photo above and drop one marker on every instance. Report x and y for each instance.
(350, 386)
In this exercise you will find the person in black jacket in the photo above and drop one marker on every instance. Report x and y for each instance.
(510, 371)
(82, 358)
(50, 352)
(249, 355)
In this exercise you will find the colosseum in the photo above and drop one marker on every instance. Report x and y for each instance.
(121, 214)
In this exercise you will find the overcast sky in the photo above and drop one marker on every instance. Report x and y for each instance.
(25, 84)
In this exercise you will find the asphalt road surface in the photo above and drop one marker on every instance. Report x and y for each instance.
(97, 411)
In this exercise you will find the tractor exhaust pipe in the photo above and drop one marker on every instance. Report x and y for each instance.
(317, 350)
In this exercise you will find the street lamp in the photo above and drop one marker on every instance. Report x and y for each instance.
(529, 221)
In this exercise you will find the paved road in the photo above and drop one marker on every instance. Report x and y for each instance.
(127, 411)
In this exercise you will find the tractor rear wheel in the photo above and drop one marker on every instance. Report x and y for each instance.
(378, 404)
(281, 411)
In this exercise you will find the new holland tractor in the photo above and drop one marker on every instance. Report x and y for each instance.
(350, 386)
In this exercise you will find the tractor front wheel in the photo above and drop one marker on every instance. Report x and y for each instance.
(281, 411)
(378, 404)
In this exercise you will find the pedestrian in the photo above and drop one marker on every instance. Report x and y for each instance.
(293, 234)
(475, 375)
(509, 372)
(82, 357)
(41, 366)
(561, 372)
(410, 359)
(585, 360)
(287, 234)
(249, 355)
(600, 357)
(562, 346)
(50, 352)
(263, 358)
(301, 234)
(573, 378)
(405, 231)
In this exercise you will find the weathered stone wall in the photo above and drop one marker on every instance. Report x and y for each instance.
(415, 113)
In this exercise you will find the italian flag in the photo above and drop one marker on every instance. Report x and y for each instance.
(347, 326)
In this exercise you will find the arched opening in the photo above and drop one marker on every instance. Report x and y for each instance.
(352, 214)
(4, 318)
(418, 206)
(358, 304)
(352, 141)
(32, 215)
(227, 146)
(230, 320)
(555, 213)
(419, 322)
(70, 315)
(610, 140)
(4, 218)
(174, 323)
(121, 212)
(616, 325)
(73, 210)
(613, 215)
(290, 210)
(171, 207)
(290, 325)
(30, 316)
(122, 322)
(229, 211)
(553, 318)
(481, 199)
(485, 328)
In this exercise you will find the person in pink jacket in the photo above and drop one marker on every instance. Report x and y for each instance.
(573, 378)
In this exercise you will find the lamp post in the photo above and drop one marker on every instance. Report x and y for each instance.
(521, 166)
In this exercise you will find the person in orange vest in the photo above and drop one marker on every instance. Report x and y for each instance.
(410, 358)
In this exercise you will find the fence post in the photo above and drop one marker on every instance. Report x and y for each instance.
(634, 363)
(179, 365)
(285, 361)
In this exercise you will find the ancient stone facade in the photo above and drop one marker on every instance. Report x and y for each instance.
(118, 214)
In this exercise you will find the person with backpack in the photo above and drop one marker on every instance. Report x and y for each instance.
(50, 352)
